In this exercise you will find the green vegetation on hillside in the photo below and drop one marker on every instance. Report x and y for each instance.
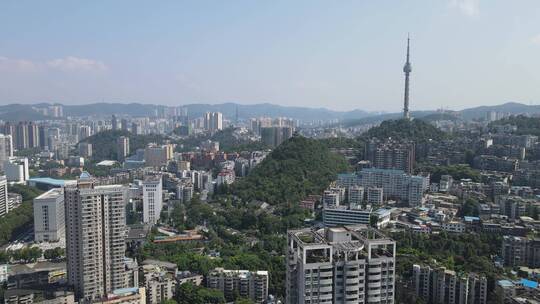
(525, 125)
(415, 130)
(104, 143)
(298, 167)
(342, 143)
(193, 294)
(22, 217)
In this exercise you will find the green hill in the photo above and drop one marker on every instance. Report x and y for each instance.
(415, 130)
(104, 143)
(298, 167)
(525, 125)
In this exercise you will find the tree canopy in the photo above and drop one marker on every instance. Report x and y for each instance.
(414, 130)
(21, 217)
(525, 125)
(298, 167)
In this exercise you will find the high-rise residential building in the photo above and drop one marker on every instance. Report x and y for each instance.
(125, 125)
(114, 123)
(21, 135)
(16, 169)
(84, 132)
(396, 184)
(213, 121)
(158, 155)
(6, 148)
(42, 136)
(244, 283)
(444, 286)
(184, 192)
(85, 149)
(55, 111)
(136, 128)
(33, 135)
(152, 199)
(390, 154)
(521, 251)
(4, 201)
(351, 264)
(122, 147)
(274, 136)
(49, 216)
(95, 238)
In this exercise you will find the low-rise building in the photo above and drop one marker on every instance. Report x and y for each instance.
(247, 284)
(453, 227)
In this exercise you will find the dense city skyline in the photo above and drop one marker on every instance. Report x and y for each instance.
(303, 54)
(269, 152)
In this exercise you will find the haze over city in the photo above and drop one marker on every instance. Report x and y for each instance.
(342, 56)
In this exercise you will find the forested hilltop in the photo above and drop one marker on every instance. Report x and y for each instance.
(298, 167)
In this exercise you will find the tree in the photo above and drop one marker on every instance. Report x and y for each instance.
(469, 208)
(20, 219)
(54, 254)
(192, 294)
(298, 167)
(27, 254)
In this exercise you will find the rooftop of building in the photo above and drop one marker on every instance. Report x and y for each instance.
(107, 163)
(36, 267)
(51, 194)
(51, 181)
(241, 273)
(351, 237)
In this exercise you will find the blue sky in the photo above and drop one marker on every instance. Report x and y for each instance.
(341, 55)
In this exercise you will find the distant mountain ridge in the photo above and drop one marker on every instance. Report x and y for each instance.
(20, 112)
(194, 110)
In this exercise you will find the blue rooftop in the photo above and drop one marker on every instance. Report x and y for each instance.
(471, 218)
(505, 283)
(347, 175)
(122, 291)
(85, 175)
(529, 283)
(48, 180)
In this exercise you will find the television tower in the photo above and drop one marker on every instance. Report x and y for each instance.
(407, 70)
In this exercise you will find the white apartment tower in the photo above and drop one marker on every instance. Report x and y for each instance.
(351, 264)
(49, 219)
(152, 199)
(6, 148)
(4, 201)
(16, 169)
(213, 121)
(95, 238)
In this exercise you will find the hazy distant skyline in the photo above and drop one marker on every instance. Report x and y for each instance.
(339, 55)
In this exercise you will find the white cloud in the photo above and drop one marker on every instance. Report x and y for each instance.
(467, 7)
(535, 39)
(67, 64)
(17, 65)
(76, 64)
